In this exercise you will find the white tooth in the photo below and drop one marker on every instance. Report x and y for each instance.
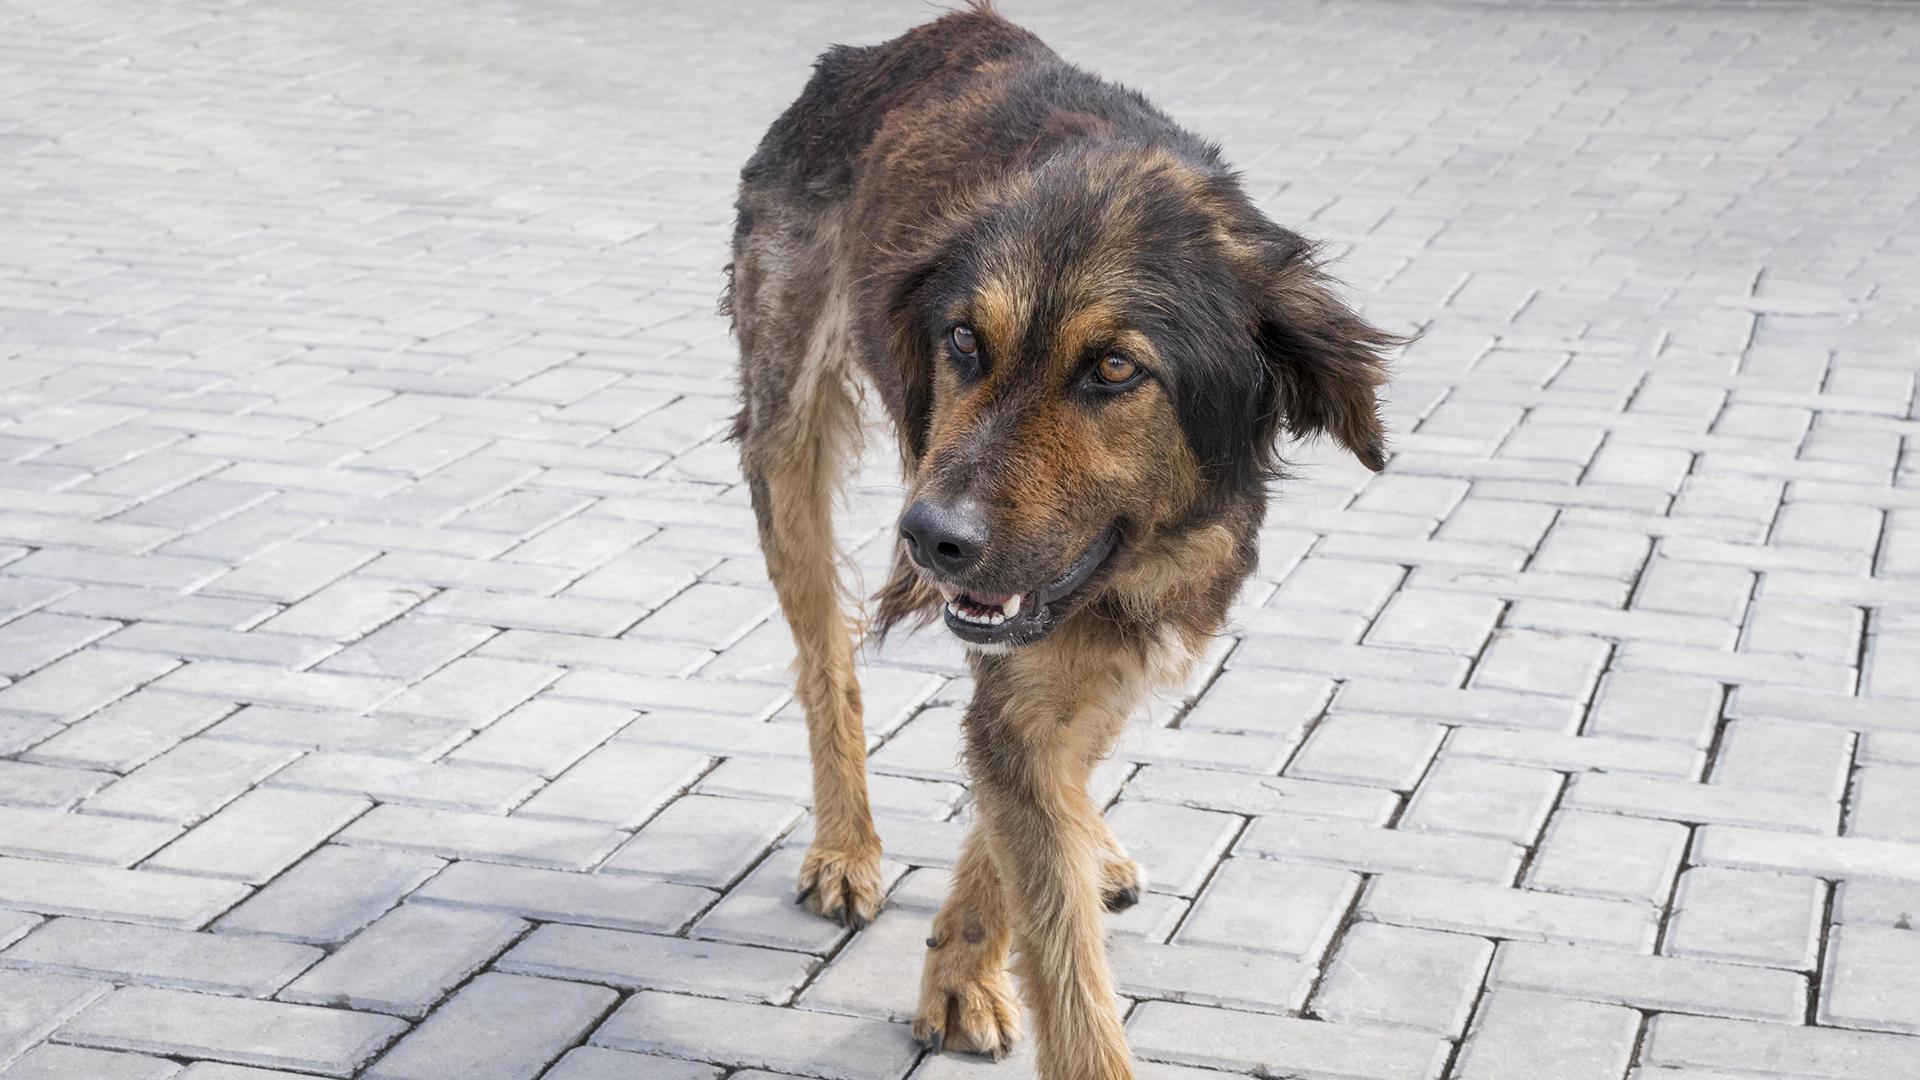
(1012, 606)
(948, 591)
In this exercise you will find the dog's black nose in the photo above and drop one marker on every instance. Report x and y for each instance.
(944, 538)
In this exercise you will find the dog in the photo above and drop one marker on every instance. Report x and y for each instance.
(1089, 343)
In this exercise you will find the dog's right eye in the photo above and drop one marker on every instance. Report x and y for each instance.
(964, 346)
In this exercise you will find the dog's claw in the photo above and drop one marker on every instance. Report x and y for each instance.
(978, 1017)
(1122, 899)
(842, 885)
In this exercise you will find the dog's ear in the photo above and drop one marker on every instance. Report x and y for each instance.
(1323, 361)
(905, 294)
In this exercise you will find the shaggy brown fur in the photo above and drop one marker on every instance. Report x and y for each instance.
(1088, 341)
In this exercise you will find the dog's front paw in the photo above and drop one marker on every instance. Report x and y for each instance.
(842, 885)
(963, 1007)
(1122, 881)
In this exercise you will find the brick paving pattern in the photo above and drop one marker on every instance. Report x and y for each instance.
(390, 686)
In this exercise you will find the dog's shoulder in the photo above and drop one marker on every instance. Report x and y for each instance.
(814, 146)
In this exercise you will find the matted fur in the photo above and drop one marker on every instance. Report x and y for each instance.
(964, 174)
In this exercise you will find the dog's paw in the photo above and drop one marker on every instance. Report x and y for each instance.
(963, 1008)
(1122, 881)
(841, 885)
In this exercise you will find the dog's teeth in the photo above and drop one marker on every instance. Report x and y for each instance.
(1012, 606)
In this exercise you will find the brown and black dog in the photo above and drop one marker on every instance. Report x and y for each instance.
(1089, 341)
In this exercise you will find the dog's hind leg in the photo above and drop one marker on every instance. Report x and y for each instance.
(797, 435)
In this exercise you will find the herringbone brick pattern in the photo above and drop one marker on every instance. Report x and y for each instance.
(390, 686)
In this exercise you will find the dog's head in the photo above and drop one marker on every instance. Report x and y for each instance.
(1096, 359)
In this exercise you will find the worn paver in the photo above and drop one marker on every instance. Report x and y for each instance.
(390, 684)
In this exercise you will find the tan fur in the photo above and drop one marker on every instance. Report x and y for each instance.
(795, 461)
(1044, 718)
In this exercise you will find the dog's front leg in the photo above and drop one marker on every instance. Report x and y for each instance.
(966, 996)
(1029, 761)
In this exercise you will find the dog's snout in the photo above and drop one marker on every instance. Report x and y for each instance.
(947, 538)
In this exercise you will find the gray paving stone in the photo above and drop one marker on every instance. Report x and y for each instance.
(1702, 803)
(1178, 845)
(452, 834)
(1517, 914)
(1244, 793)
(759, 1036)
(70, 688)
(1361, 847)
(699, 840)
(190, 781)
(619, 785)
(1497, 708)
(14, 925)
(1271, 907)
(1198, 975)
(1779, 1049)
(594, 1063)
(1885, 803)
(415, 783)
(1522, 1036)
(1872, 980)
(1877, 903)
(1562, 665)
(1826, 856)
(1650, 982)
(500, 1027)
(152, 956)
(1610, 856)
(1657, 705)
(473, 691)
(1363, 749)
(1399, 977)
(330, 895)
(258, 835)
(877, 975)
(1244, 1042)
(269, 1034)
(144, 896)
(1482, 798)
(87, 838)
(407, 960)
(33, 1004)
(543, 736)
(51, 1062)
(555, 896)
(342, 732)
(1747, 917)
(630, 961)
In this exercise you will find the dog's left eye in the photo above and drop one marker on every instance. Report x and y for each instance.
(964, 346)
(1114, 370)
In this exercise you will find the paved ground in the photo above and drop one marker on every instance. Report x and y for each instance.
(389, 686)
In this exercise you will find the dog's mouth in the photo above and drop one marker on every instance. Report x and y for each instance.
(1024, 618)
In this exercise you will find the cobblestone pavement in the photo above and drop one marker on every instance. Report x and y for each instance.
(389, 685)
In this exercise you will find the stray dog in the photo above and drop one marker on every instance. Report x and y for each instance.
(1088, 341)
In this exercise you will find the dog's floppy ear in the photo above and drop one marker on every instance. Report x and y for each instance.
(904, 293)
(1323, 361)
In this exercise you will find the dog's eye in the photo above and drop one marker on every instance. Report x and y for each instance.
(1115, 370)
(962, 341)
